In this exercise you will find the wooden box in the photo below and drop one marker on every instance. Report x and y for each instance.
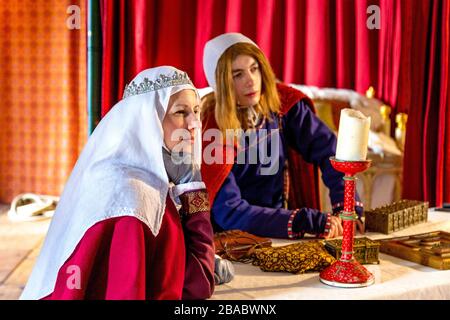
(430, 249)
(396, 216)
(365, 250)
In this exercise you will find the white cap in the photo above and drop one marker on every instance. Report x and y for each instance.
(214, 49)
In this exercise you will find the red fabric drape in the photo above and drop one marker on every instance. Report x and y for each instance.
(314, 42)
(444, 141)
(426, 77)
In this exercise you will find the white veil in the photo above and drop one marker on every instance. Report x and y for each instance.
(120, 172)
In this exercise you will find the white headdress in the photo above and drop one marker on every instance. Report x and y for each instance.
(214, 49)
(120, 172)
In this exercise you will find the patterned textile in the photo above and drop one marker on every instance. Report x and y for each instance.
(42, 96)
(194, 202)
(295, 258)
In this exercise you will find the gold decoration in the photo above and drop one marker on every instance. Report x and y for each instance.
(396, 216)
(295, 258)
(365, 250)
(400, 130)
(385, 112)
(370, 93)
(194, 202)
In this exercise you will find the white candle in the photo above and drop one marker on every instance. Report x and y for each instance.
(353, 135)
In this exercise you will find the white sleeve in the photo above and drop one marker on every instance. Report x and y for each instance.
(179, 189)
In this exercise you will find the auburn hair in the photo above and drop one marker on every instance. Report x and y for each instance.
(223, 100)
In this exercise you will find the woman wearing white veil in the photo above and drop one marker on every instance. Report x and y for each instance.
(116, 234)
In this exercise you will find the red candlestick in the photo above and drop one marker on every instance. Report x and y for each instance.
(347, 272)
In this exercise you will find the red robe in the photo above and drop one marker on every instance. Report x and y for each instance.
(120, 258)
(302, 193)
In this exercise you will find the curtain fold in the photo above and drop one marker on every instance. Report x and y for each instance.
(313, 42)
(426, 75)
(444, 139)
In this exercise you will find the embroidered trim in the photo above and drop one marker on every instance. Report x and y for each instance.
(291, 234)
(193, 202)
(179, 189)
(163, 81)
(327, 229)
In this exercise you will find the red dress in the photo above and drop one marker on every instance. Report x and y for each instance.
(120, 258)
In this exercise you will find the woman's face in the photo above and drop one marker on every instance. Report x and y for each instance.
(247, 80)
(181, 120)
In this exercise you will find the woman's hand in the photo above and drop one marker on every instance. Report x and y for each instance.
(181, 167)
(336, 229)
(359, 226)
(223, 270)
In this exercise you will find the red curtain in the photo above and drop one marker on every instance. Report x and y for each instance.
(315, 42)
(424, 74)
(331, 36)
(444, 141)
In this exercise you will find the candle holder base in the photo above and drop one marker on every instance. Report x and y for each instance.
(347, 274)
